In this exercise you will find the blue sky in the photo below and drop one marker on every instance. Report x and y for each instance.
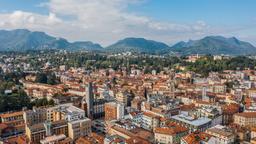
(105, 21)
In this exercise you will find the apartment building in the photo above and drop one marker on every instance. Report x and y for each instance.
(222, 134)
(170, 135)
(79, 128)
(114, 111)
(247, 119)
(40, 131)
(193, 123)
(35, 116)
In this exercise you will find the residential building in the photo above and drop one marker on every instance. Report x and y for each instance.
(247, 119)
(114, 111)
(169, 135)
(222, 134)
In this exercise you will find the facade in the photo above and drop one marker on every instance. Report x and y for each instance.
(222, 135)
(169, 135)
(122, 98)
(38, 132)
(35, 116)
(247, 119)
(12, 119)
(114, 111)
(89, 100)
(228, 112)
(150, 121)
(79, 128)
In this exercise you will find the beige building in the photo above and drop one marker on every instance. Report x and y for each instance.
(62, 119)
(79, 128)
(169, 135)
(245, 119)
(221, 134)
(38, 132)
(35, 116)
(122, 98)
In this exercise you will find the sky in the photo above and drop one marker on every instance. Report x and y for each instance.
(107, 21)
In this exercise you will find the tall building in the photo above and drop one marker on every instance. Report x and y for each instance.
(204, 94)
(89, 100)
(35, 116)
(79, 128)
(114, 111)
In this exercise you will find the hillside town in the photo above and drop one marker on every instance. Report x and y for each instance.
(128, 104)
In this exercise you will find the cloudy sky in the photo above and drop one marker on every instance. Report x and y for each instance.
(106, 21)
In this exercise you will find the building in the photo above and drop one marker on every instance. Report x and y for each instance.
(247, 119)
(122, 98)
(79, 128)
(222, 134)
(228, 112)
(193, 123)
(127, 132)
(89, 100)
(114, 111)
(12, 119)
(93, 138)
(197, 138)
(169, 135)
(94, 107)
(11, 124)
(38, 132)
(66, 112)
(61, 119)
(35, 116)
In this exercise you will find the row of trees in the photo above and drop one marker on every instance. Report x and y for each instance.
(207, 64)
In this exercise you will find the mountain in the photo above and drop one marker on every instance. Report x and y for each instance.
(23, 39)
(139, 45)
(82, 45)
(215, 45)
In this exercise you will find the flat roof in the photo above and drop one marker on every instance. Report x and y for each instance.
(189, 120)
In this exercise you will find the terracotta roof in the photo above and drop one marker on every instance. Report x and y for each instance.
(170, 130)
(137, 140)
(150, 115)
(187, 107)
(196, 137)
(17, 140)
(11, 114)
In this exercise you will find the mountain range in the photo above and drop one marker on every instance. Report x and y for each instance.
(215, 45)
(23, 39)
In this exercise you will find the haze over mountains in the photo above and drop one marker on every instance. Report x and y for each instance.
(22, 40)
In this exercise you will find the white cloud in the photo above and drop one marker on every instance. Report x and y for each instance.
(102, 21)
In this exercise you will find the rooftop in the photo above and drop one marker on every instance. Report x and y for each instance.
(192, 121)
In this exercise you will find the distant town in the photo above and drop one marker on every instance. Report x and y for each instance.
(63, 97)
